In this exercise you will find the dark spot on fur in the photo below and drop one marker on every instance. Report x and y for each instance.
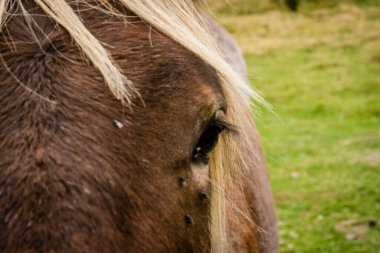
(182, 181)
(203, 196)
(189, 220)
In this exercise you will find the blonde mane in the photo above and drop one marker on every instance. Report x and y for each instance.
(181, 21)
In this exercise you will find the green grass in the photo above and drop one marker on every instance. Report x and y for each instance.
(321, 72)
(246, 7)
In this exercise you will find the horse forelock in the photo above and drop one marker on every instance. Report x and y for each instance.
(181, 21)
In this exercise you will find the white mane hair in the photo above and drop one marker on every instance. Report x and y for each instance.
(180, 20)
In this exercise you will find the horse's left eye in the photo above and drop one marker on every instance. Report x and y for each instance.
(206, 143)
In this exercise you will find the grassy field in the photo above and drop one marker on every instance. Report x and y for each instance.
(320, 69)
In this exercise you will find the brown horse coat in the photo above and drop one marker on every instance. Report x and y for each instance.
(81, 173)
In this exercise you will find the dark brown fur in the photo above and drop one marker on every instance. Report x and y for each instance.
(71, 180)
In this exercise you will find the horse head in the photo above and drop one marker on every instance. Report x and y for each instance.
(118, 134)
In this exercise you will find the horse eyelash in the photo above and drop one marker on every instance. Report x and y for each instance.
(226, 125)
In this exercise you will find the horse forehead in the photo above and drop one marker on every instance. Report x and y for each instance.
(159, 66)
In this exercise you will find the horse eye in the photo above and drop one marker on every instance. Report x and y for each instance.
(206, 143)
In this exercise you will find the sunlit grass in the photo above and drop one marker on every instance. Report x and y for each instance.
(321, 72)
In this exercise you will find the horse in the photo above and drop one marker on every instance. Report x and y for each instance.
(123, 129)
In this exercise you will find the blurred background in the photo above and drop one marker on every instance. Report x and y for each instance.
(317, 62)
